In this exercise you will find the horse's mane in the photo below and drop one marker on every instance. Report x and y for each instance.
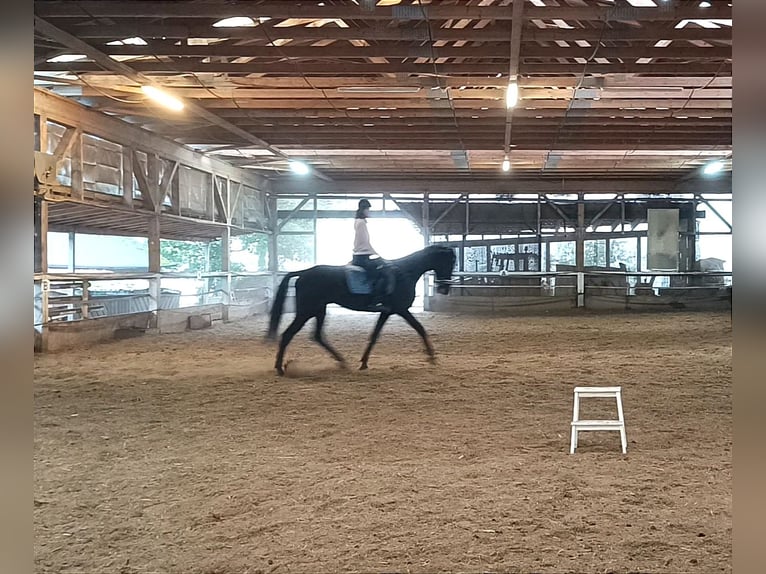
(425, 252)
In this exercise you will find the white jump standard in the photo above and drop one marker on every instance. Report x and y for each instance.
(598, 425)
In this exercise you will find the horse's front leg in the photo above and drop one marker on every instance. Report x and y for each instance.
(415, 324)
(373, 338)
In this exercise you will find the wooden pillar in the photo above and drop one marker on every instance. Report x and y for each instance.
(72, 259)
(155, 268)
(539, 234)
(315, 229)
(638, 254)
(84, 305)
(42, 287)
(76, 162)
(127, 176)
(580, 249)
(548, 255)
(580, 234)
(426, 221)
(273, 238)
(461, 267)
(225, 267)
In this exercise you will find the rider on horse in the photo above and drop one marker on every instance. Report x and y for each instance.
(362, 252)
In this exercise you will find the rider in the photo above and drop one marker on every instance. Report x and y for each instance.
(363, 250)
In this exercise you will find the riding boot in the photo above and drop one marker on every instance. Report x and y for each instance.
(378, 298)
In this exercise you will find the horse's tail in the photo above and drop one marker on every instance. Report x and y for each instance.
(279, 303)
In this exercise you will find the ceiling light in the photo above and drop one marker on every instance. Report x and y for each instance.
(134, 41)
(67, 58)
(713, 167)
(299, 167)
(235, 22)
(705, 4)
(512, 95)
(163, 98)
(506, 164)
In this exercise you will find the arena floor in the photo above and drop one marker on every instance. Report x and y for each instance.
(186, 454)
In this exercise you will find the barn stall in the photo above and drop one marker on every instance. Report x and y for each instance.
(583, 220)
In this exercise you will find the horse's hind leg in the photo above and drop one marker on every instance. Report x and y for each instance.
(287, 336)
(319, 338)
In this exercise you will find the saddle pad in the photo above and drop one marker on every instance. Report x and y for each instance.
(357, 281)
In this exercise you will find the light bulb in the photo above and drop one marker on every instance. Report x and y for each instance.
(163, 98)
(512, 95)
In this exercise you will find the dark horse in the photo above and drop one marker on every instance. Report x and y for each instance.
(323, 284)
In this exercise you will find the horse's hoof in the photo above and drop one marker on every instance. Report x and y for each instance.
(432, 360)
(343, 365)
(363, 367)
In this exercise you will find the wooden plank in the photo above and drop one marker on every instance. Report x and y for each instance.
(76, 164)
(544, 185)
(399, 50)
(167, 178)
(155, 10)
(65, 143)
(220, 204)
(491, 33)
(143, 183)
(127, 175)
(465, 67)
(322, 82)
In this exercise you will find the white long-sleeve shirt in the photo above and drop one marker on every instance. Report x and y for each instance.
(362, 238)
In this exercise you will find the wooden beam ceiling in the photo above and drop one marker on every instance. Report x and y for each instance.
(416, 87)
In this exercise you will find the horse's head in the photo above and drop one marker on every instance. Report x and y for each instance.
(444, 264)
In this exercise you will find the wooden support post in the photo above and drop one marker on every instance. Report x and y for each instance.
(273, 225)
(155, 286)
(548, 255)
(209, 201)
(316, 215)
(76, 159)
(638, 254)
(426, 239)
(225, 267)
(153, 179)
(175, 193)
(539, 233)
(84, 305)
(41, 289)
(127, 176)
(72, 259)
(580, 234)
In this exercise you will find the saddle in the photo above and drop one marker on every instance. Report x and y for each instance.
(359, 283)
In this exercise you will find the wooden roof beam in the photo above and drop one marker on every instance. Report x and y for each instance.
(378, 32)
(108, 63)
(215, 10)
(468, 68)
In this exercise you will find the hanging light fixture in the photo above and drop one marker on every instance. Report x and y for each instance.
(299, 167)
(511, 94)
(713, 167)
(506, 163)
(163, 98)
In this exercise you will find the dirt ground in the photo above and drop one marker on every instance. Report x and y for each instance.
(186, 454)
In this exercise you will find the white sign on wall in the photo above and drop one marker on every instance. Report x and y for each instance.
(662, 240)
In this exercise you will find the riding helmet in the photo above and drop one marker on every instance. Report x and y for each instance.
(364, 204)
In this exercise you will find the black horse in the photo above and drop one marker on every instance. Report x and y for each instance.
(323, 284)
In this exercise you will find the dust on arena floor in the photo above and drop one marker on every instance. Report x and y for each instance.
(185, 453)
